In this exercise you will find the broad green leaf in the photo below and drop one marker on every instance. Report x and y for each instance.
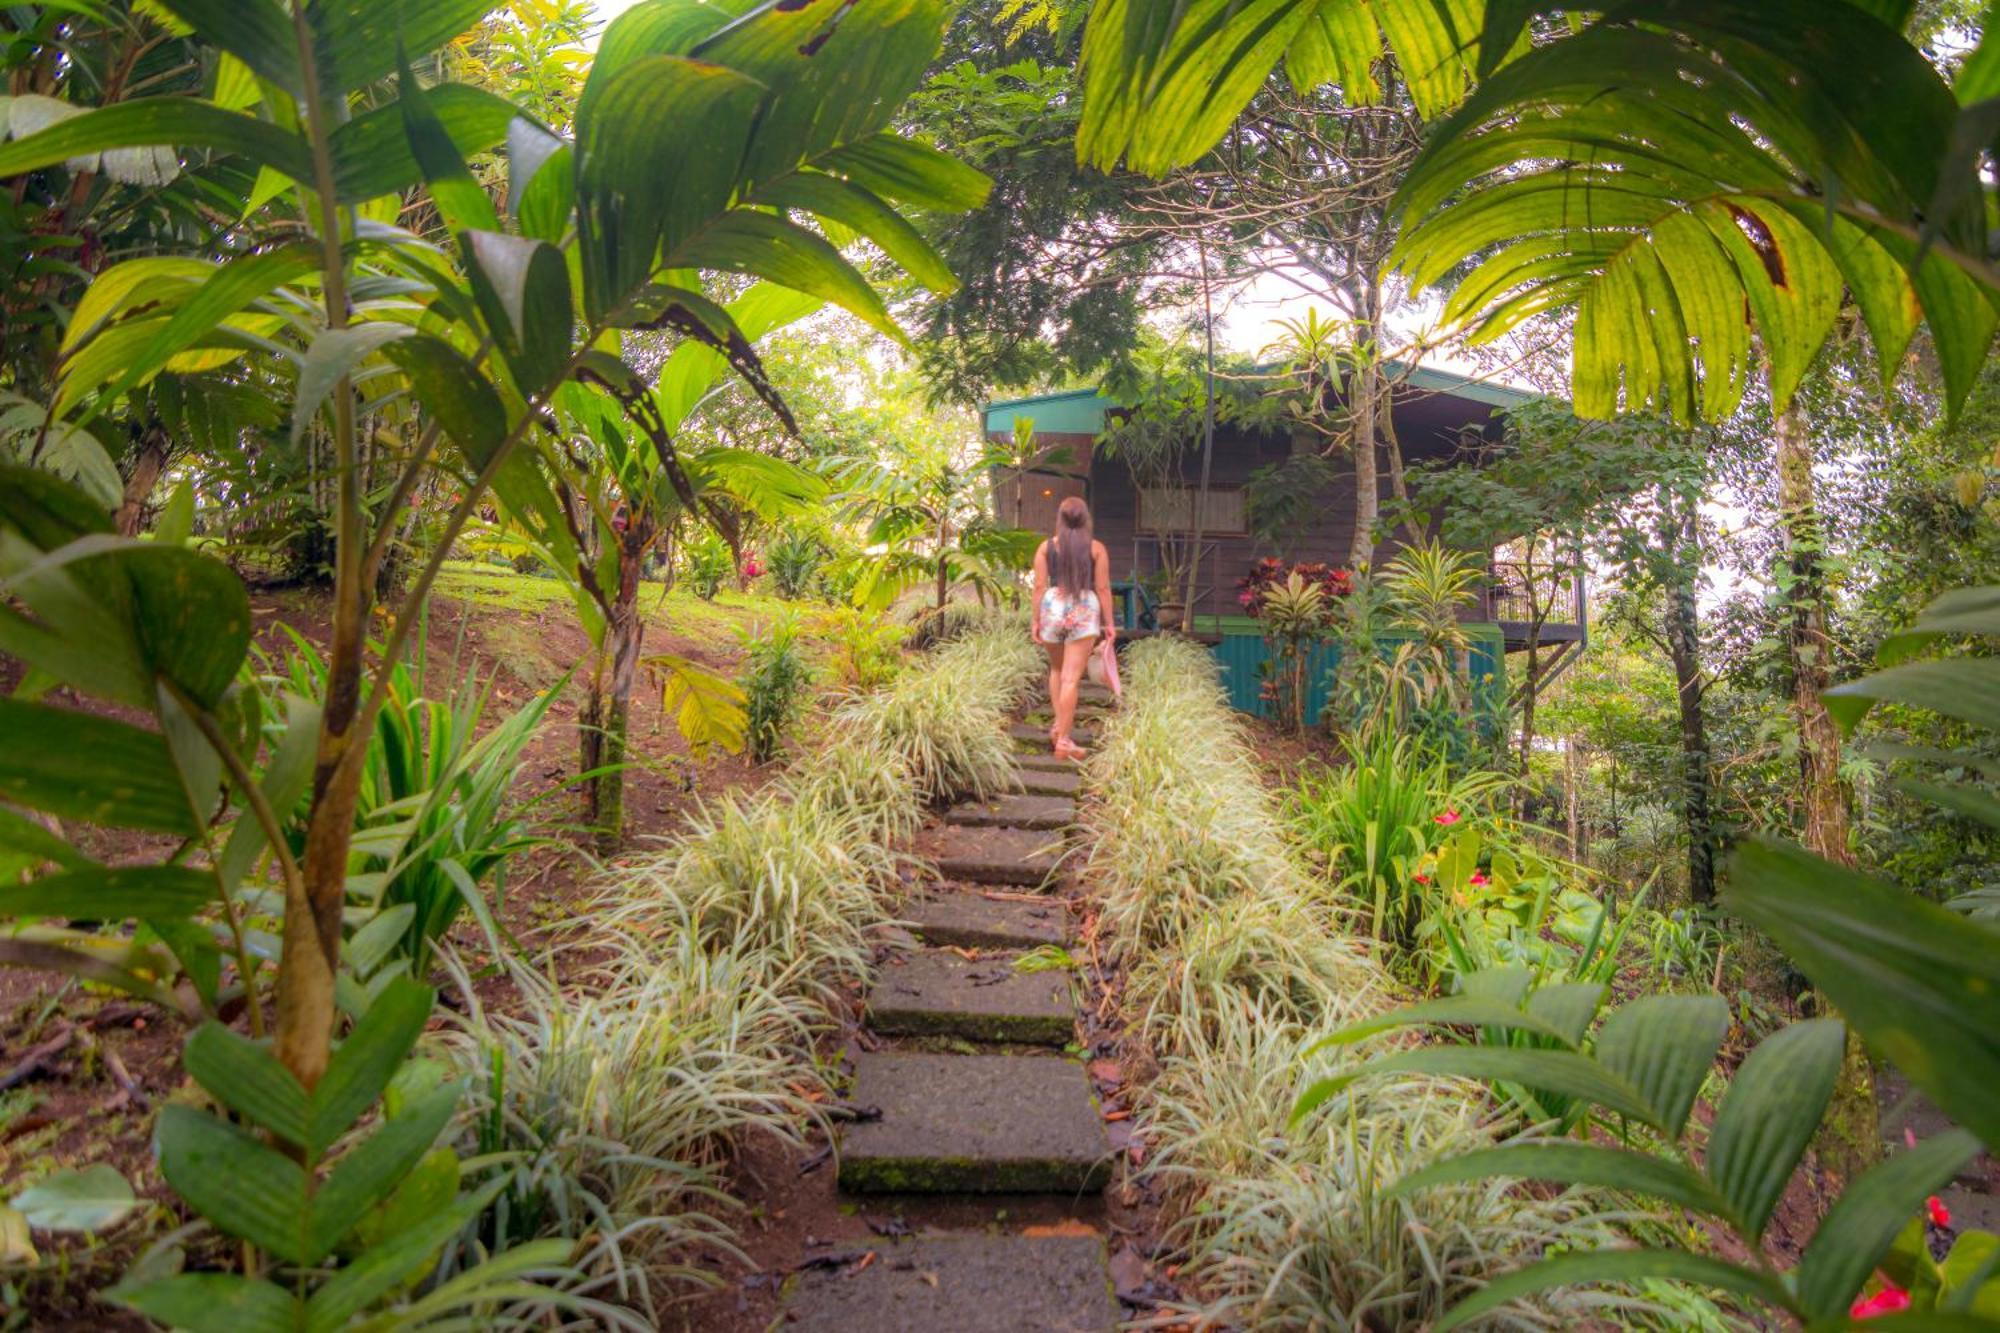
(453, 391)
(862, 211)
(698, 364)
(212, 1303)
(257, 32)
(26, 845)
(396, 1259)
(1959, 611)
(46, 511)
(461, 201)
(1921, 984)
(1966, 688)
(235, 1181)
(193, 617)
(911, 173)
(363, 1065)
(176, 522)
(78, 766)
(332, 358)
(1564, 1073)
(1568, 1007)
(1864, 1220)
(372, 155)
(367, 1174)
(1664, 1045)
(249, 1080)
(1574, 1164)
(762, 246)
(116, 290)
(184, 121)
(708, 709)
(1452, 1011)
(358, 40)
(1958, 797)
(111, 893)
(522, 287)
(530, 147)
(1770, 1114)
(91, 1199)
(1582, 1269)
(641, 179)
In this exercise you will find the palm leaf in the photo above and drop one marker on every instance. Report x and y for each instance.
(708, 708)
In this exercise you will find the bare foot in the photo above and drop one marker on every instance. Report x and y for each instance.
(1070, 750)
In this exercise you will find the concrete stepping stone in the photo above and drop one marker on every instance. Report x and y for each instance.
(1028, 734)
(1016, 811)
(1027, 857)
(1035, 781)
(974, 921)
(1045, 762)
(1087, 692)
(973, 1124)
(961, 1284)
(938, 993)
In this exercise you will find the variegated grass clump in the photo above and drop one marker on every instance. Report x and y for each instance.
(619, 1104)
(1236, 961)
(945, 717)
(865, 781)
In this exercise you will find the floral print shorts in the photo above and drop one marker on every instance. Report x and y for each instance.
(1066, 619)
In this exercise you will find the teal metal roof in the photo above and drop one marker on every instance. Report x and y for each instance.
(1081, 411)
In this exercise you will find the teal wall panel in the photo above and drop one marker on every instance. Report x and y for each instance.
(1241, 657)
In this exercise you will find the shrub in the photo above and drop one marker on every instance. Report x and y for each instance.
(708, 564)
(774, 684)
(795, 562)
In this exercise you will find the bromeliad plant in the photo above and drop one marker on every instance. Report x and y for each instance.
(1644, 1069)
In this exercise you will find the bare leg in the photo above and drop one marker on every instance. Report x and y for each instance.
(1076, 654)
(1055, 651)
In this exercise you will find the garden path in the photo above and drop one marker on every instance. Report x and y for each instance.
(970, 1091)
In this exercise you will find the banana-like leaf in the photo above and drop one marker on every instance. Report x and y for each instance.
(180, 121)
(1920, 983)
(709, 710)
(863, 211)
(1582, 1269)
(360, 41)
(1664, 1045)
(768, 487)
(1863, 1222)
(111, 893)
(1574, 1164)
(763, 246)
(1966, 688)
(910, 173)
(1769, 1115)
(372, 155)
(1564, 1073)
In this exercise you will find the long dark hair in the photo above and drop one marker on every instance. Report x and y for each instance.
(1070, 565)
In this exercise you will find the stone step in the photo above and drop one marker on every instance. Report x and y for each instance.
(974, 921)
(1045, 762)
(1036, 781)
(964, 1284)
(1027, 857)
(979, 1124)
(938, 993)
(1087, 692)
(1029, 735)
(1016, 811)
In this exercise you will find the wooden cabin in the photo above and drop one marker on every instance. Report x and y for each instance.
(1436, 415)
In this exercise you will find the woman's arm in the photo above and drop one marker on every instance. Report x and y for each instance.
(1102, 560)
(1041, 586)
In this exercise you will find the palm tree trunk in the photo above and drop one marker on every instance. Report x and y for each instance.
(1684, 649)
(607, 712)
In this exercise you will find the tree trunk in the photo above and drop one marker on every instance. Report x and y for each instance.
(1364, 386)
(1683, 637)
(1807, 646)
(1849, 1136)
(607, 711)
(149, 458)
(943, 560)
(1572, 798)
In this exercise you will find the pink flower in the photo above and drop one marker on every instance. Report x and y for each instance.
(1940, 1215)
(1421, 879)
(1478, 879)
(1448, 818)
(1889, 1300)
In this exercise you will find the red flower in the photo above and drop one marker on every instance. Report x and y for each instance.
(1478, 878)
(1422, 879)
(1940, 1215)
(1889, 1300)
(1448, 818)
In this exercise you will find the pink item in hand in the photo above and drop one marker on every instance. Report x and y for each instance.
(1109, 655)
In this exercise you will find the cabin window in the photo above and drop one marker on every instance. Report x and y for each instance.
(1169, 511)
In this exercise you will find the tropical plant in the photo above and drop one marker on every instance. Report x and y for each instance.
(1646, 1066)
(1712, 139)
(434, 823)
(927, 504)
(350, 1243)
(1297, 616)
(774, 683)
(1374, 823)
(796, 559)
(867, 650)
(471, 354)
(708, 565)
